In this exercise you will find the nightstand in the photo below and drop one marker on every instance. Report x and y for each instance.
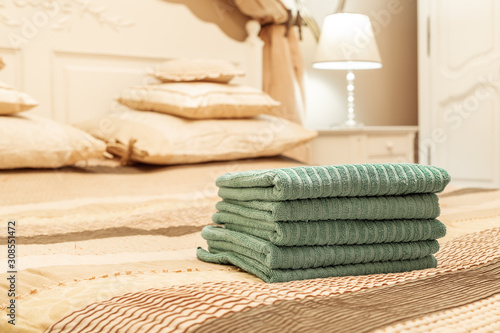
(367, 144)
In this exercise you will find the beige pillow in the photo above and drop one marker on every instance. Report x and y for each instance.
(199, 100)
(2, 64)
(13, 101)
(162, 139)
(184, 70)
(36, 142)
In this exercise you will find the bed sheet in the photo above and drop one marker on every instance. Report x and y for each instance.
(113, 249)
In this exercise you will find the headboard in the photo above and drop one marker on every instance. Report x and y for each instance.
(75, 57)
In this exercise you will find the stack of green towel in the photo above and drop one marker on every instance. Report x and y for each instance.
(326, 221)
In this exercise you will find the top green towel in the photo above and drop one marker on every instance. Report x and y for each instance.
(354, 180)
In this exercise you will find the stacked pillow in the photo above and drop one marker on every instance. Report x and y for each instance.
(36, 142)
(195, 115)
(13, 101)
(199, 100)
(192, 70)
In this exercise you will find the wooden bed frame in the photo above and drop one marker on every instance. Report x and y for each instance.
(75, 59)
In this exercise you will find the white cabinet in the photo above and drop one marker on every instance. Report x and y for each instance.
(370, 144)
(459, 89)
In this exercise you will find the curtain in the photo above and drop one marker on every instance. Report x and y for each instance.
(264, 11)
(283, 70)
(283, 63)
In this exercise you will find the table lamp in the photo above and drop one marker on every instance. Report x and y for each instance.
(347, 42)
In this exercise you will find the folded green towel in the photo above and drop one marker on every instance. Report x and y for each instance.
(308, 182)
(412, 206)
(337, 232)
(285, 275)
(300, 257)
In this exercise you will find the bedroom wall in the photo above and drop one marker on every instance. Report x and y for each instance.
(386, 96)
(74, 58)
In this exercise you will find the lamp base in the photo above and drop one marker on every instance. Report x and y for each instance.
(346, 124)
(352, 123)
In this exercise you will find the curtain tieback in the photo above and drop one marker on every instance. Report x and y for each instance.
(291, 21)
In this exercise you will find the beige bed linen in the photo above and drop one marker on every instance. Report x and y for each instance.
(14, 101)
(161, 139)
(200, 100)
(29, 141)
(77, 206)
(187, 70)
(89, 235)
(66, 184)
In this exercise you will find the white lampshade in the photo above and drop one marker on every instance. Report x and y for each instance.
(347, 41)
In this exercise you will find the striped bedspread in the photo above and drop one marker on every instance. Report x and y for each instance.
(114, 250)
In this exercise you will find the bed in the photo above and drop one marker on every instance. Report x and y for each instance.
(97, 255)
(108, 248)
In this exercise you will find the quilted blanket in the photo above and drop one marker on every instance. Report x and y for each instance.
(113, 250)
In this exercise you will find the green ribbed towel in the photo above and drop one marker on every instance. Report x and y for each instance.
(286, 275)
(308, 182)
(301, 257)
(337, 232)
(412, 206)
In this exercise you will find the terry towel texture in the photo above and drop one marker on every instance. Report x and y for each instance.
(327, 221)
(310, 182)
(412, 206)
(299, 257)
(284, 275)
(334, 232)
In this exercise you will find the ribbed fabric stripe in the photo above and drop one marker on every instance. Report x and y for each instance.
(334, 181)
(338, 232)
(413, 206)
(368, 310)
(198, 307)
(270, 275)
(299, 257)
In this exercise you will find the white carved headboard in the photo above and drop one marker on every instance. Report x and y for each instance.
(75, 56)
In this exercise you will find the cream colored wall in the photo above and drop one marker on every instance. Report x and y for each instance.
(56, 53)
(386, 96)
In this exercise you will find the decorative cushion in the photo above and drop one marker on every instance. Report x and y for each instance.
(156, 138)
(36, 142)
(199, 100)
(184, 70)
(13, 101)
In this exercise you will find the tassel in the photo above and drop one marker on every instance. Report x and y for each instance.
(126, 158)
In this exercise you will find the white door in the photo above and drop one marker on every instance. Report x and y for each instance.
(459, 89)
